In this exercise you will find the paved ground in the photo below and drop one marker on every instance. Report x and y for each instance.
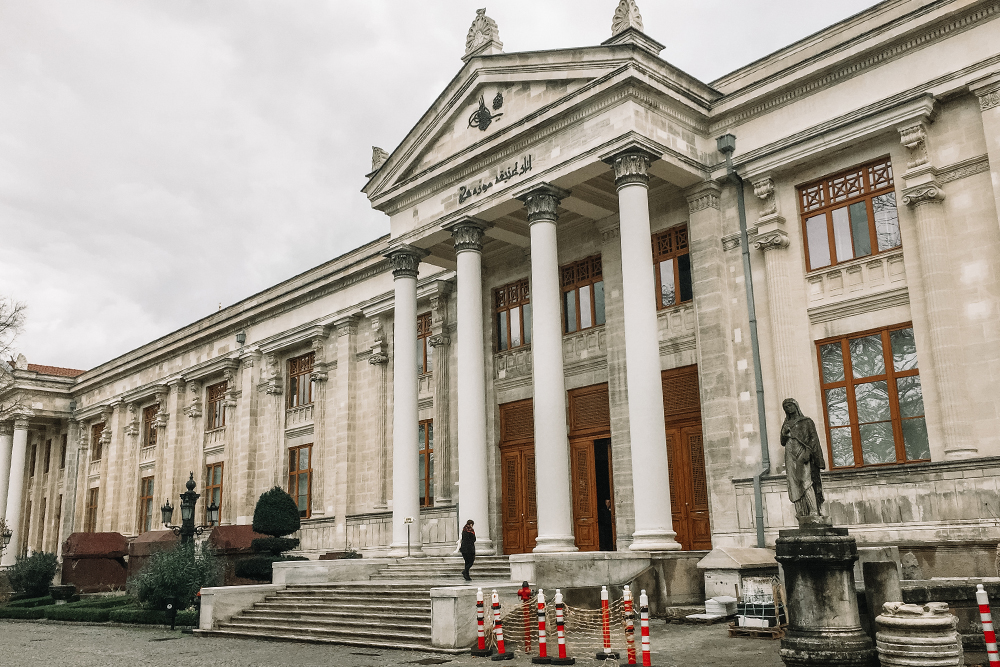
(49, 644)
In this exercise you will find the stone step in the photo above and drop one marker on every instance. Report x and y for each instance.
(270, 628)
(358, 609)
(280, 635)
(441, 580)
(351, 595)
(419, 628)
(391, 616)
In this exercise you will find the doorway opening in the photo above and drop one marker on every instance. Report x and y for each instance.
(605, 501)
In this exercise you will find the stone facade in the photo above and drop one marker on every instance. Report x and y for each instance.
(555, 157)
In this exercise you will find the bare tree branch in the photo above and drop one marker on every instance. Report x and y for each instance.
(12, 316)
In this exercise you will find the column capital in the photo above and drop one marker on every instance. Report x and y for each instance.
(775, 239)
(404, 260)
(345, 325)
(6, 428)
(467, 233)
(21, 422)
(541, 202)
(702, 196)
(925, 193)
(987, 90)
(631, 166)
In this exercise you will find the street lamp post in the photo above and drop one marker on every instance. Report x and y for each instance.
(5, 535)
(187, 530)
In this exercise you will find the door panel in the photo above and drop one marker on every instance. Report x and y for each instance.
(584, 495)
(698, 521)
(530, 522)
(511, 470)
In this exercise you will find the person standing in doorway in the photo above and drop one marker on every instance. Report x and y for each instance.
(468, 547)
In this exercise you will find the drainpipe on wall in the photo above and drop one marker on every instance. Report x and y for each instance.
(727, 145)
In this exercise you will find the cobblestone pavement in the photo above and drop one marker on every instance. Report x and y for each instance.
(49, 644)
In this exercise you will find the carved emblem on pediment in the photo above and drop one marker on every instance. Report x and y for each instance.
(481, 117)
(482, 31)
(626, 16)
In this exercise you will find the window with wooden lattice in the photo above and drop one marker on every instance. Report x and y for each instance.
(672, 267)
(512, 306)
(149, 425)
(300, 478)
(425, 472)
(213, 489)
(849, 215)
(583, 294)
(425, 353)
(95, 441)
(146, 504)
(216, 405)
(300, 384)
(90, 514)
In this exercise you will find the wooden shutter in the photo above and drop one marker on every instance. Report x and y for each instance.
(589, 410)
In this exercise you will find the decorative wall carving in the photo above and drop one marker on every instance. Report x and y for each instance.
(772, 240)
(626, 16)
(193, 410)
(914, 138)
(930, 193)
(702, 201)
(272, 373)
(132, 427)
(989, 100)
(764, 189)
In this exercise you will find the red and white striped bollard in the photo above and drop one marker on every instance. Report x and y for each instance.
(629, 625)
(987, 618)
(644, 625)
(543, 657)
(606, 653)
(481, 650)
(561, 632)
(502, 653)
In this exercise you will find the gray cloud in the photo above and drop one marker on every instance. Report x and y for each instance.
(160, 158)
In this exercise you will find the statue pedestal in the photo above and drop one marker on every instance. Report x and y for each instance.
(824, 626)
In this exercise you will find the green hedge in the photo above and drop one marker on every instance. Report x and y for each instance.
(28, 603)
(21, 612)
(151, 617)
(105, 602)
(65, 612)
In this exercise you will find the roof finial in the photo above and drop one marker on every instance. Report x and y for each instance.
(626, 16)
(379, 157)
(483, 37)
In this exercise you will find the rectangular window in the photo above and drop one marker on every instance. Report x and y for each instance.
(58, 522)
(512, 305)
(48, 455)
(95, 441)
(300, 384)
(216, 405)
(33, 461)
(41, 521)
(146, 505)
(425, 474)
(149, 425)
(27, 531)
(300, 478)
(672, 267)
(90, 517)
(872, 398)
(583, 294)
(425, 353)
(850, 215)
(62, 452)
(213, 489)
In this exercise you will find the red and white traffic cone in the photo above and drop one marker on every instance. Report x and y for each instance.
(502, 653)
(542, 658)
(987, 618)
(606, 653)
(561, 632)
(526, 617)
(644, 625)
(481, 650)
(629, 626)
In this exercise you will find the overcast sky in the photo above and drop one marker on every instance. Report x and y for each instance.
(158, 158)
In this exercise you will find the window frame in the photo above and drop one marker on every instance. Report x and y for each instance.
(298, 472)
(425, 355)
(850, 382)
(48, 456)
(146, 508)
(506, 298)
(215, 396)
(33, 460)
(573, 277)
(669, 245)
(63, 445)
(96, 448)
(300, 367)
(90, 513)
(210, 487)
(426, 451)
(828, 205)
(149, 424)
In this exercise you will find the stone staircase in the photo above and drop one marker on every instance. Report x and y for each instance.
(392, 610)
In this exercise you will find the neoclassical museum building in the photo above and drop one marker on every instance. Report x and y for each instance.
(602, 279)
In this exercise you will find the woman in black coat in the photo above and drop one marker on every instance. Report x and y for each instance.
(468, 548)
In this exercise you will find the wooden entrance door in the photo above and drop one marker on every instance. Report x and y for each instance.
(589, 427)
(686, 458)
(517, 472)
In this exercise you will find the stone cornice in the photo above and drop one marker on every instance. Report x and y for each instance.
(865, 304)
(217, 366)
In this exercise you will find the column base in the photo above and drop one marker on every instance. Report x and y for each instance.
(400, 551)
(8, 560)
(555, 544)
(654, 540)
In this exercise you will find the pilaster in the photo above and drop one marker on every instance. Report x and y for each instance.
(987, 91)
(246, 426)
(441, 342)
(345, 403)
(379, 359)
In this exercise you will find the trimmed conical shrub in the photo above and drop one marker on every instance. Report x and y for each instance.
(276, 515)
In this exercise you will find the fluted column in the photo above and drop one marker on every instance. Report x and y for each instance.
(345, 389)
(771, 239)
(473, 479)
(439, 342)
(404, 260)
(15, 488)
(554, 499)
(70, 481)
(6, 446)
(924, 196)
(379, 358)
(650, 472)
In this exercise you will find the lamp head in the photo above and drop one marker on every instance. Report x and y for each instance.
(167, 513)
(241, 338)
(213, 514)
(726, 144)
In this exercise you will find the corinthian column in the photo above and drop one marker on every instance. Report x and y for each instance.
(404, 260)
(555, 515)
(15, 488)
(771, 239)
(647, 434)
(6, 446)
(473, 480)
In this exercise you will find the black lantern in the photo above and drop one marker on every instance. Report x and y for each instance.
(6, 535)
(187, 530)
